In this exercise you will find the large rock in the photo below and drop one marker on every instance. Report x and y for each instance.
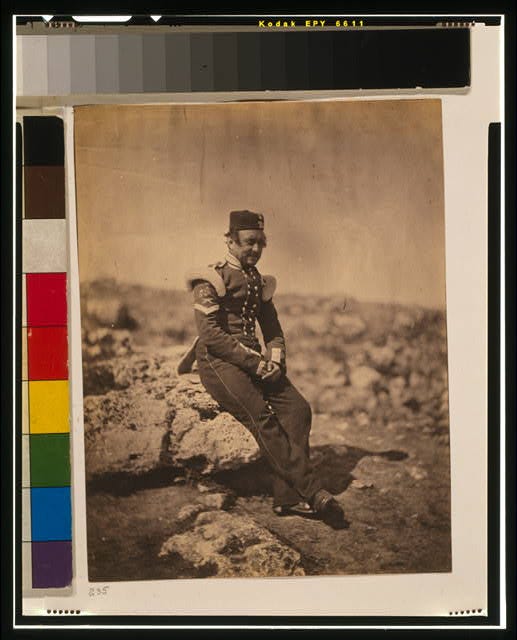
(111, 374)
(220, 444)
(226, 545)
(202, 433)
(124, 432)
(152, 420)
(189, 393)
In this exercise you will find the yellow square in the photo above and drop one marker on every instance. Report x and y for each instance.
(25, 407)
(48, 406)
(25, 374)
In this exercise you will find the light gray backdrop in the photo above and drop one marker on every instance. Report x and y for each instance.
(352, 193)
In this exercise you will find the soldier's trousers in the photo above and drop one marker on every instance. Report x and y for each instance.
(278, 417)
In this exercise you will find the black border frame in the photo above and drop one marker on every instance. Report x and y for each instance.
(440, 7)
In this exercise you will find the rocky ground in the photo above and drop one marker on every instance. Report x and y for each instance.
(177, 488)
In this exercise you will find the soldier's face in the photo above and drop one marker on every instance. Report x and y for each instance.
(249, 248)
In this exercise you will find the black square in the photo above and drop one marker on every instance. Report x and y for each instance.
(44, 141)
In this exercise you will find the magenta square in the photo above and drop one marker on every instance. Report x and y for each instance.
(46, 299)
(51, 564)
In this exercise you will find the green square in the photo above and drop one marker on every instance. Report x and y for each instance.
(50, 460)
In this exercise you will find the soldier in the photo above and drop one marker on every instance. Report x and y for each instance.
(228, 298)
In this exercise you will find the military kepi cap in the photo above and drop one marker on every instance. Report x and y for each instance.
(240, 220)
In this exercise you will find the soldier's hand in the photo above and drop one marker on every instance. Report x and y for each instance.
(273, 372)
(262, 368)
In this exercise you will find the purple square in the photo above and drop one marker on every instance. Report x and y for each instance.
(51, 564)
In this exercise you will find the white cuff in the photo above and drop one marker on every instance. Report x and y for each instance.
(276, 355)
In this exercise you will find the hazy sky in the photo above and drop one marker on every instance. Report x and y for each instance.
(352, 193)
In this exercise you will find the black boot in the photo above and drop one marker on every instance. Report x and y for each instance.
(329, 510)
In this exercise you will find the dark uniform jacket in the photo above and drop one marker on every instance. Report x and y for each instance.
(228, 299)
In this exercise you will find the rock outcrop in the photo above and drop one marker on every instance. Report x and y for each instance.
(227, 545)
(124, 432)
(151, 420)
(376, 378)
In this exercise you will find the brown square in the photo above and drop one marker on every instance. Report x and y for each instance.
(44, 191)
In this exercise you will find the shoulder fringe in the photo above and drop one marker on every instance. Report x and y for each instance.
(210, 275)
(268, 287)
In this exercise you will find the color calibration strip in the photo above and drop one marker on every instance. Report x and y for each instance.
(159, 62)
(46, 500)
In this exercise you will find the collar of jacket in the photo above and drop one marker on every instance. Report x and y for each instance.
(233, 261)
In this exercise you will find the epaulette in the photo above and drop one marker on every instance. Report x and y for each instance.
(209, 274)
(268, 287)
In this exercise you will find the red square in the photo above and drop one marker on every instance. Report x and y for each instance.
(47, 349)
(46, 299)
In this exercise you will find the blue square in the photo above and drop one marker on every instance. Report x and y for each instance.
(51, 515)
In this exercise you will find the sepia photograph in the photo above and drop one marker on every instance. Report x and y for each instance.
(264, 339)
